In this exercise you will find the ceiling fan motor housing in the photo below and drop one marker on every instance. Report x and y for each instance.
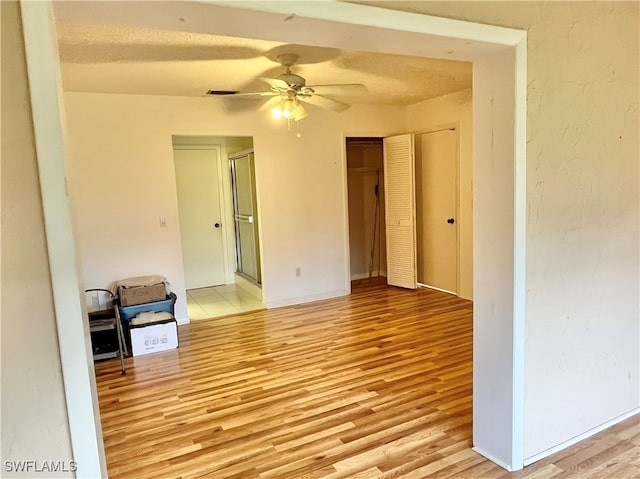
(294, 81)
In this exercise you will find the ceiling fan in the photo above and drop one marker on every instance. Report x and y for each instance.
(289, 91)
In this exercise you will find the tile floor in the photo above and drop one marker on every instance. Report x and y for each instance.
(206, 303)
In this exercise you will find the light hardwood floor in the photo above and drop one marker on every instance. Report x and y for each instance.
(374, 385)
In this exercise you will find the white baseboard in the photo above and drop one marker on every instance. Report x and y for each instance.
(306, 299)
(422, 285)
(500, 463)
(580, 437)
(183, 320)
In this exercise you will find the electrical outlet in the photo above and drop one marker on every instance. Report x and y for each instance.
(298, 272)
(163, 221)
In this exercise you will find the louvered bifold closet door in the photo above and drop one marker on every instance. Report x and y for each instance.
(399, 184)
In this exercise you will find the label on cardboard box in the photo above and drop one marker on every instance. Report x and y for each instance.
(142, 294)
(154, 337)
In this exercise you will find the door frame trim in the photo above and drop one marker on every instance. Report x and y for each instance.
(345, 193)
(76, 355)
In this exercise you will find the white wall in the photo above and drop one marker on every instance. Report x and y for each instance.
(582, 316)
(454, 109)
(35, 424)
(121, 178)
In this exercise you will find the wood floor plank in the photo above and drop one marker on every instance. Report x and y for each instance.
(375, 385)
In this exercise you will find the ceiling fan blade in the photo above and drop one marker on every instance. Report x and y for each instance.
(275, 82)
(252, 93)
(340, 88)
(324, 102)
(233, 94)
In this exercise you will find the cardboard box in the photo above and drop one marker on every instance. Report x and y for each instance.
(154, 337)
(127, 313)
(142, 294)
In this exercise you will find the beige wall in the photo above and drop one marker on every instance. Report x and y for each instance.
(300, 188)
(34, 417)
(445, 111)
(582, 320)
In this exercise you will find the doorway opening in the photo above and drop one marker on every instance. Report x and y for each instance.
(215, 184)
(435, 209)
(365, 190)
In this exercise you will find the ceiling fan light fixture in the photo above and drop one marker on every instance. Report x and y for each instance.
(290, 109)
(300, 112)
(277, 112)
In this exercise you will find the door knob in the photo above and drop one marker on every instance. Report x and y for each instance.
(217, 225)
(451, 221)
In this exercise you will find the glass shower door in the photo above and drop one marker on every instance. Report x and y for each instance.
(245, 218)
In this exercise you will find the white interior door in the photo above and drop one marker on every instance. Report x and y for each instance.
(436, 206)
(199, 208)
(399, 181)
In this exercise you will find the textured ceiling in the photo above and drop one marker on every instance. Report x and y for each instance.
(111, 58)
